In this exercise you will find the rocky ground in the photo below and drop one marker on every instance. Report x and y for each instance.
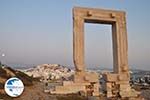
(145, 91)
(146, 94)
(36, 92)
(6, 73)
(34, 89)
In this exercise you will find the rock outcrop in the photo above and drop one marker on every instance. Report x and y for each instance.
(7, 72)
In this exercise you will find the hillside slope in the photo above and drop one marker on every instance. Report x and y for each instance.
(8, 72)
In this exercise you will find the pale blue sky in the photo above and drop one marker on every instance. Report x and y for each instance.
(40, 31)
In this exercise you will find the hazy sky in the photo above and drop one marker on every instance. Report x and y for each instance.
(40, 31)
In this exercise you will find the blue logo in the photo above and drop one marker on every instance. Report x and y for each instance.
(14, 87)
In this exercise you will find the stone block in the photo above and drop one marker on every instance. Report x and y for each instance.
(125, 68)
(109, 94)
(96, 93)
(46, 91)
(93, 98)
(96, 87)
(81, 84)
(86, 77)
(122, 82)
(124, 87)
(91, 77)
(124, 77)
(79, 77)
(66, 83)
(136, 98)
(108, 86)
(68, 89)
(111, 77)
(131, 93)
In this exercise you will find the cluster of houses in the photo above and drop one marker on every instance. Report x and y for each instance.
(141, 78)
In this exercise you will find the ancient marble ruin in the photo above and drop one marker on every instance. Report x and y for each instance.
(116, 82)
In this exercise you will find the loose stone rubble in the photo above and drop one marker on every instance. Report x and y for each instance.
(116, 82)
